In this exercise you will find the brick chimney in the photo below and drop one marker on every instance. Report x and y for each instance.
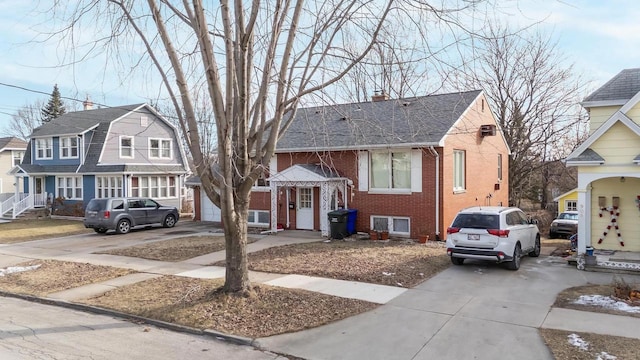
(380, 96)
(88, 104)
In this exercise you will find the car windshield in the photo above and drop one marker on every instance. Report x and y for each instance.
(477, 221)
(568, 216)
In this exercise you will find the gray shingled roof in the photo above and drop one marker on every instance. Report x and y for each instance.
(12, 143)
(419, 120)
(587, 156)
(80, 121)
(323, 171)
(623, 86)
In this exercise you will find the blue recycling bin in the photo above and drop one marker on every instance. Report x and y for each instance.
(351, 221)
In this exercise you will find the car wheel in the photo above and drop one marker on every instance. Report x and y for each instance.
(169, 221)
(123, 226)
(536, 248)
(457, 260)
(552, 235)
(515, 263)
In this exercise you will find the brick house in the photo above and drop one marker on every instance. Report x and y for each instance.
(407, 166)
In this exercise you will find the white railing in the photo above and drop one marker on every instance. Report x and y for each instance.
(7, 205)
(22, 205)
(40, 200)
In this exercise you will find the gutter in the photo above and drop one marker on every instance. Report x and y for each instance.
(437, 183)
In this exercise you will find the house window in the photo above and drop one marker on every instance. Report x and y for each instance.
(144, 121)
(69, 147)
(160, 148)
(258, 218)
(395, 225)
(44, 148)
(500, 167)
(108, 186)
(571, 205)
(70, 187)
(17, 157)
(391, 170)
(126, 147)
(153, 186)
(458, 170)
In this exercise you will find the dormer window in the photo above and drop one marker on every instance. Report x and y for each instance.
(160, 148)
(69, 147)
(44, 149)
(126, 147)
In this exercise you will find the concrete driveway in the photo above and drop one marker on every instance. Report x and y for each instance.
(475, 311)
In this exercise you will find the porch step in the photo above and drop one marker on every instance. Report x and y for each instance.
(33, 214)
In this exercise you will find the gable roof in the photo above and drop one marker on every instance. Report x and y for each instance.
(79, 122)
(412, 121)
(305, 172)
(12, 143)
(617, 91)
(583, 155)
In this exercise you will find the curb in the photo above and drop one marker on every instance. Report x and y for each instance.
(238, 340)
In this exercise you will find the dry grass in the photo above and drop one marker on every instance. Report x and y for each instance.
(53, 276)
(562, 349)
(23, 230)
(178, 249)
(198, 303)
(563, 246)
(395, 263)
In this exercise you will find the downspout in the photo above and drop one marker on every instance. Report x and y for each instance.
(288, 190)
(437, 183)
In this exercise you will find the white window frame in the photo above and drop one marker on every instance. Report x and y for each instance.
(390, 224)
(157, 187)
(109, 186)
(389, 172)
(499, 166)
(256, 218)
(459, 165)
(47, 150)
(131, 148)
(161, 148)
(66, 183)
(568, 207)
(66, 144)
(17, 155)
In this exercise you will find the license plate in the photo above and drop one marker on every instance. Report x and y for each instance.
(473, 237)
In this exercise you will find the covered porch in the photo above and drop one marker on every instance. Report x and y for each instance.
(309, 192)
(35, 196)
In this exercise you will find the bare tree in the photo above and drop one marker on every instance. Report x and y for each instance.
(535, 95)
(255, 61)
(25, 120)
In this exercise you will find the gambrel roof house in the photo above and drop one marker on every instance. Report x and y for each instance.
(406, 165)
(608, 176)
(118, 151)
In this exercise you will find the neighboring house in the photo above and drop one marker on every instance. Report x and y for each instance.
(116, 151)
(567, 201)
(407, 166)
(608, 175)
(11, 153)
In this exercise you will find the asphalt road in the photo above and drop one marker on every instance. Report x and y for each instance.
(31, 331)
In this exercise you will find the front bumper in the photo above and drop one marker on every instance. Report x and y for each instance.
(479, 254)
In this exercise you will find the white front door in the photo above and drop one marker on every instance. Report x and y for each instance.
(304, 213)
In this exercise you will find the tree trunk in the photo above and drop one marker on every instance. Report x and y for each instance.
(235, 234)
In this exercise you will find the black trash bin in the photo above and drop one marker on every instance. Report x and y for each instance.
(338, 223)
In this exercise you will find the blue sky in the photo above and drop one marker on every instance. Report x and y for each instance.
(599, 37)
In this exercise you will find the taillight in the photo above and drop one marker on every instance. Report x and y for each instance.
(452, 230)
(107, 214)
(498, 233)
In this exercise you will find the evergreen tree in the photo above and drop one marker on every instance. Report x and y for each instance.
(54, 108)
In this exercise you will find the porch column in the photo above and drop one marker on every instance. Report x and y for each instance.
(324, 208)
(274, 206)
(584, 219)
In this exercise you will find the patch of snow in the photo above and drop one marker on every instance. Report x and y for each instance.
(16, 269)
(387, 273)
(606, 302)
(604, 356)
(577, 341)
(478, 271)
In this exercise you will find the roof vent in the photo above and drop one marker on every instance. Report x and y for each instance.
(487, 130)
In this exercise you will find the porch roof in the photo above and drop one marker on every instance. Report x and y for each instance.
(306, 173)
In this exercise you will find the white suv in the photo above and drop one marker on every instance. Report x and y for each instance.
(494, 233)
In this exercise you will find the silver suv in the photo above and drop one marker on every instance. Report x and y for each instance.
(499, 234)
(121, 214)
(566, 224)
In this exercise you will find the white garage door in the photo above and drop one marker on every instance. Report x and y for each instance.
(209, 211)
